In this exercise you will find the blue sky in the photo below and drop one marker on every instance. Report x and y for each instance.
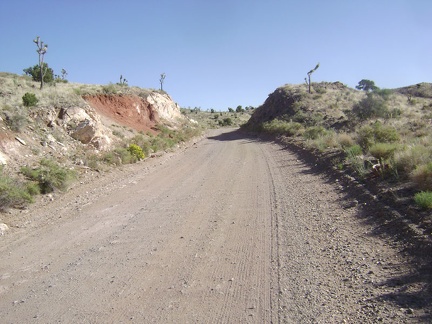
(225, 53)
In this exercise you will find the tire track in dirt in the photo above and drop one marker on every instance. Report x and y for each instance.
(231, 230)
(186, 242)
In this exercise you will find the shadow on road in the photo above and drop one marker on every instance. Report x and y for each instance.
(235, 135)
(410, 290)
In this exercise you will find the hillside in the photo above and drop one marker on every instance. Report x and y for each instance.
(80, 128)
(381, 138)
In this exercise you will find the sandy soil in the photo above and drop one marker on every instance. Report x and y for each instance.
(228, 230)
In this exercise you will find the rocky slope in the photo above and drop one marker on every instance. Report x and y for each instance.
(70, 119)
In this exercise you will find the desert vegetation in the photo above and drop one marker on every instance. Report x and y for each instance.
(382, 135)
(49, 160)
(208, 119)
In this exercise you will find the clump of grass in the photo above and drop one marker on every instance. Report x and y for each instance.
(422, 176)
(345, 140)
(372, 106)
(16, 122)
(353, 150)
(92, 160)
(355, 160)
(370, 134)
(49, 176)
(280, 127)
(14, 193)
(314, 132)
(408, 158)
(110, 89)
(424, 199)
(382, 151)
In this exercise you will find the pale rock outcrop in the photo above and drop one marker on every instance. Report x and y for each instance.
(86, 127)
(3, 158)
(165, 106)
(3, 228)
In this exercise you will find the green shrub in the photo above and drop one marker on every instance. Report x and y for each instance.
(29, 99)
(136, 151)
(368, 135)
(280, 127)
(33, 188)
(353, 158)
(124, 156)
(354, 150)
(49, 176)
(111, 158)
(314, 132)
(382, 151)
(119, 156)
(323, 141)
(374, 105)
(226, 122)
(424, 199)
(14, 193)
(384, 93)
(118, 133)
(412, 156)
(92, 161)
(385, 134)
(422, 176)
(358, 165)
(345, 140)
(110, 89)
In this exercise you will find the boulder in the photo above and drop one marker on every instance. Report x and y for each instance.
(86, 127)
(3, 228)
(166, 108)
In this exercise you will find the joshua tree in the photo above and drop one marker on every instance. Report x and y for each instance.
(63, 74)
(123, 81)
(308, 80)
(42, 48)
(161, 80)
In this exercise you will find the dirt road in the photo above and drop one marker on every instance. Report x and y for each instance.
(229, 230)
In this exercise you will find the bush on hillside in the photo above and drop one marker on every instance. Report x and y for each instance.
(29, 99)
(49, 176)
(372, 106)
(370, 134)
(354, 150)
(226, 122)
(410, 157)
(16, 122)
(314, 132)
(280, 127)
(382, 151)
(14, 193)
(136, 151)
(424, 199)
(422, 176)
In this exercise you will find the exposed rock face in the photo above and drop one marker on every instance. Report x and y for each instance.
(86, 127)
(140, 112)
(165, 107)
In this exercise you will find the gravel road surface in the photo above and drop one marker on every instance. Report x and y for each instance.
(230, 229)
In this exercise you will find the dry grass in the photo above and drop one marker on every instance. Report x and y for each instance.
(396, 128)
